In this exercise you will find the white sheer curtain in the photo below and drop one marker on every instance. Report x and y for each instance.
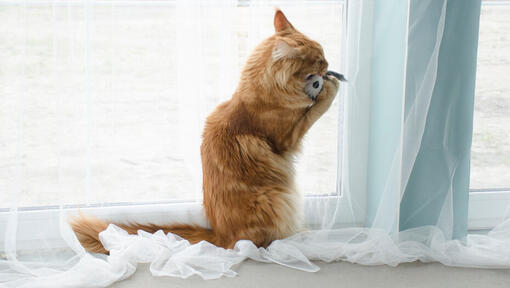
(119, 129)
(102, 107)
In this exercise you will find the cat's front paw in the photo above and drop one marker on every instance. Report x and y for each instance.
(329, 89)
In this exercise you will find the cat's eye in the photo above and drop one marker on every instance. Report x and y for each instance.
(309, 76)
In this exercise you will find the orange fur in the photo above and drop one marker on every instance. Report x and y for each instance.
(248, 147)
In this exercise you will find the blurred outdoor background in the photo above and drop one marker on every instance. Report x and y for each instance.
(90, 96)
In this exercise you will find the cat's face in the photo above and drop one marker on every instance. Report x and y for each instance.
(283, 62)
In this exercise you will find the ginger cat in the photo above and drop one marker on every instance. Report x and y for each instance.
(248, 147)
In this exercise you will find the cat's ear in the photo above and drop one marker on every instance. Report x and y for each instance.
(283, 50)
(280, 21)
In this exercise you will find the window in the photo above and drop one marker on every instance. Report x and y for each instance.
(102, 105)
(93, 109)
(490, 154)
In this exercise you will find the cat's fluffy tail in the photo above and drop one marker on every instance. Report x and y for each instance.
(87, 229)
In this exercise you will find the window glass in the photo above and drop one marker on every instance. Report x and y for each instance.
(90, 108)
(490, 154)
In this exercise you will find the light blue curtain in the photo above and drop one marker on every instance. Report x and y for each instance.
(423, 64)
(441, 169)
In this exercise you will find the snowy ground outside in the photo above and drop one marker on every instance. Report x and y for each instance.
(98, 112)
(490, 152)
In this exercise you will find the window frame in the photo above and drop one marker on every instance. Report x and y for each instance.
(176, 210)
(488, 208)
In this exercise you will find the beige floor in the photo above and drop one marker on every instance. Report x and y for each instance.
(339, 274)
